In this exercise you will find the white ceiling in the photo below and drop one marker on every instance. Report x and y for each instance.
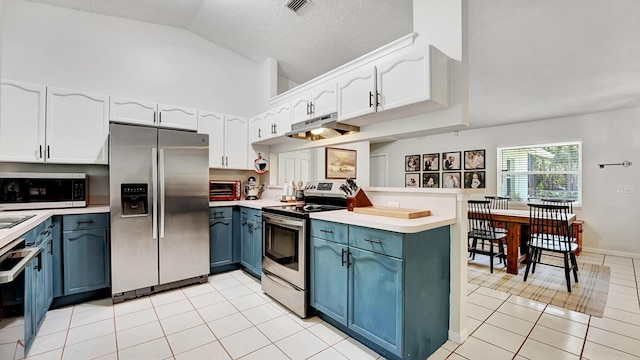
(528, 59)
(539, 59)
(323, 35)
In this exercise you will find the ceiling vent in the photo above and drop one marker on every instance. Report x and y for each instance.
(296, 5)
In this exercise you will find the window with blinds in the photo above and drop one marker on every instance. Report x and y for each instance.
(536, 172)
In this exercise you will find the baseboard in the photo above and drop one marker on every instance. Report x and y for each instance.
(459, 337)
(611, 252)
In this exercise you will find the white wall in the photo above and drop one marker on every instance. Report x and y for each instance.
(439, 23)
(611, 222)
(67, 48)
(362, 164)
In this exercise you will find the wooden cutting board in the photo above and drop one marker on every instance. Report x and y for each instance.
(392, 212)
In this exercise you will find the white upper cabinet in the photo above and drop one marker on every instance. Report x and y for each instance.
(236, 142)
(77, 127)
(228, 139)
(177, 117)
(357, 93)
(212, 123)
(133, 111)
(322, 100)
(282, 124)
(256, 129)
(138, 112)
(409, 77)
(22, 122)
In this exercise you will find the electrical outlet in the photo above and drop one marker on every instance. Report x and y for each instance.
(624, 189)
(393, 204)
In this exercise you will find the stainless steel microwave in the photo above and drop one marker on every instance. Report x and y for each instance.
(22, 190)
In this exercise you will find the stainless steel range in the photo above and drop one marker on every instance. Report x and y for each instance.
(285, 244)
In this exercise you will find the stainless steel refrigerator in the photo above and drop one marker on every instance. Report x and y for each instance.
(159, 204)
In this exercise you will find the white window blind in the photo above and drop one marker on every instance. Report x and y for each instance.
(547, 171)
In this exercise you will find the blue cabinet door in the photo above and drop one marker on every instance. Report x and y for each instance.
(221, 242)
(56, 259)
(86, 260)
(376, 298)
(246, 245)
(328, 275)
(48, 270)
(257, 248)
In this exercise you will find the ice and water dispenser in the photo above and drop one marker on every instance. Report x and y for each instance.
(134, 199)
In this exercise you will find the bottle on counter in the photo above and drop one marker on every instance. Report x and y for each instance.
(285, 190)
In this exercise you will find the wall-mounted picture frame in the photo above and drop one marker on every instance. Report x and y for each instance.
(451, 180)
(340, 163)
(451, 160)
(412, 180)
(412, 163)
(474, 160)
(431, 162)
(431, 180)
(474, 179)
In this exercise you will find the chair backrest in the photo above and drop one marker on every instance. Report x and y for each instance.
(550, 223)
(498, 202)
(564, 202)
(479, 215)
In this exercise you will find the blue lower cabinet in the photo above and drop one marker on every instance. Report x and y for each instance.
(56, 258)
(328, 277)
(220, 242)
(375, 298)
(246, 243)
(257, 247)
(86, 260)
(29, 313)
(251, 240)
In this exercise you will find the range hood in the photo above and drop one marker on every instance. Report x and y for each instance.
(322, 127)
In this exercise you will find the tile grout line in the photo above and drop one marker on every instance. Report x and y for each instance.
(530, 331)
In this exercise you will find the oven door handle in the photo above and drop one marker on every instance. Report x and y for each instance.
(279, 281)
(280, 221)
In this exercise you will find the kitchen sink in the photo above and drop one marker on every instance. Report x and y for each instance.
(9, 221)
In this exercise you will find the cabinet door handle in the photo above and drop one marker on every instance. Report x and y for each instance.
(370, 99)
(312, 108)
(45, 232)
(39, 265)
(259, 133)
(326, 231)
(51, 226)
(373, 241)
(84, 222)
(51, 247)
(48, 152)
(29, 244)
(349, 263)
(307, 108)
(160, 117)
(227, 161)
(342, 257)
(377, 98)
(40, 151)
(154, 117)
(222, 160)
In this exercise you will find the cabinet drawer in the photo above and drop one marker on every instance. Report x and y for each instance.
(85, 222)
(220, 212)
(379, 241)
(255, 215)
(331, 231)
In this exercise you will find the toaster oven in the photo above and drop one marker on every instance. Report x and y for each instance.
(225, 190)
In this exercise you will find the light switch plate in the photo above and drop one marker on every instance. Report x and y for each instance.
(393, 204)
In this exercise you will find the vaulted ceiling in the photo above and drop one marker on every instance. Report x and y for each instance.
(527, 59)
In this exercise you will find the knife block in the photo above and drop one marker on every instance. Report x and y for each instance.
(360, 199)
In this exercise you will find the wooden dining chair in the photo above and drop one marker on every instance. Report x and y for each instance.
(550, 232)
(481, 230)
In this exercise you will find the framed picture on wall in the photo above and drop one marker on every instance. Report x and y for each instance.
(431, 180)
(451, 180)
(474, 159)
(412, 163)
(474, 179)
(451, 160)
(412, 180)
(431, 162)
(339, 163)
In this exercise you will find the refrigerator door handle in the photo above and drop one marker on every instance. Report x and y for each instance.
(154, 185)
(161, 183)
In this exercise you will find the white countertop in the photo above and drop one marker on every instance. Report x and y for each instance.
(406, 226)
(254, 204)
(9, 235)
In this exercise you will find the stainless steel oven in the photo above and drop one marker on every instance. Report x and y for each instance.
(285, 245)
(284, 260)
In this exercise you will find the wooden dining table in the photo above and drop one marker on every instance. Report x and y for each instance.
(517, 234)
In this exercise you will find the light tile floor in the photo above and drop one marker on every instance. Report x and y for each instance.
(230, 318)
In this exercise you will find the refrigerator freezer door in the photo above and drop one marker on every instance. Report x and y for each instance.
(183, 169)
(134, 251)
